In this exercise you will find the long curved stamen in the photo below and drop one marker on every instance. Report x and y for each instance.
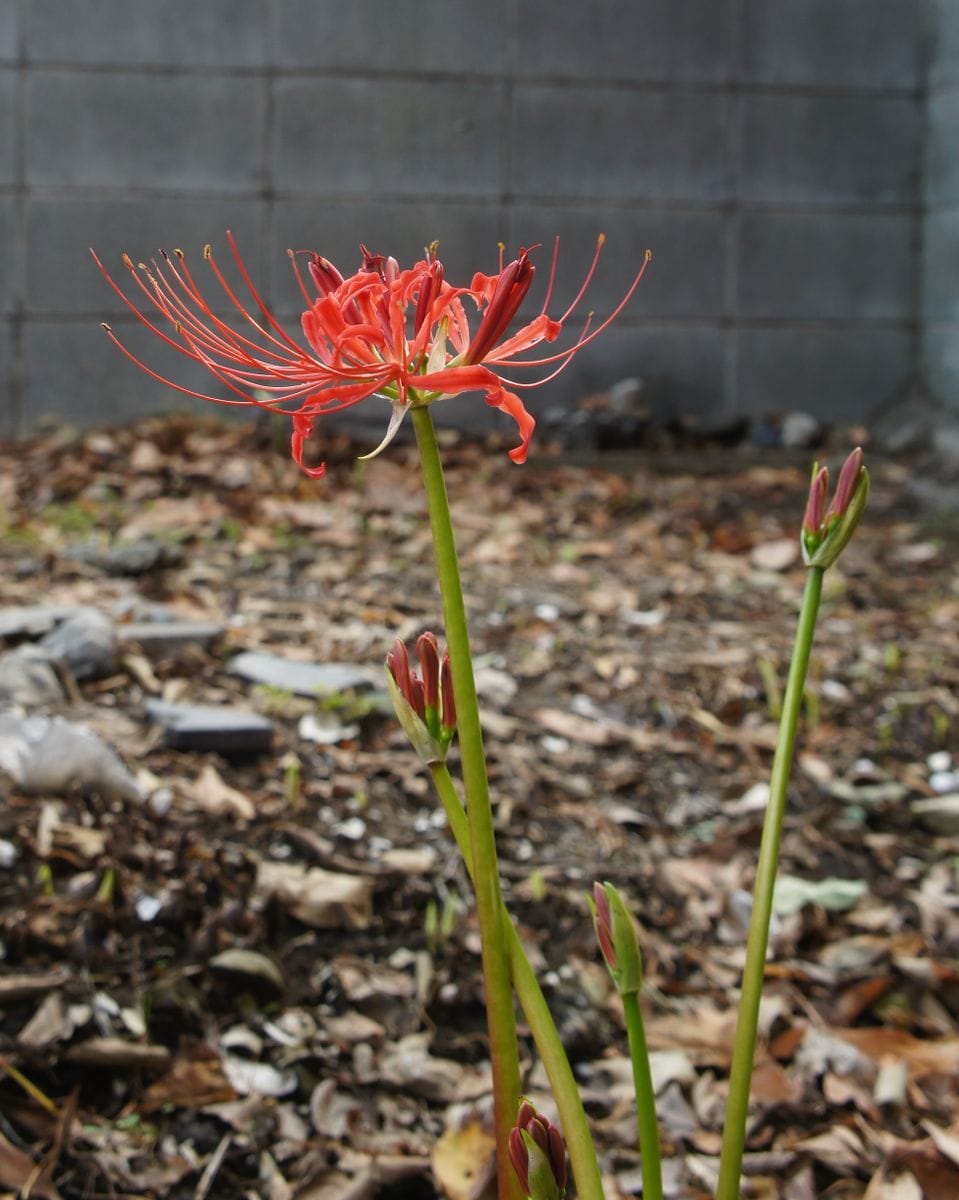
(291, 254)
(552, 278)
(600, 242)
(403, 335)
(540, 362)
(250, 402)
(271, 320)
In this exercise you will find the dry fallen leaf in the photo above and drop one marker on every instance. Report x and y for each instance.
(213, 795)
(897, 1187)
(464, 1163)
(322, 899)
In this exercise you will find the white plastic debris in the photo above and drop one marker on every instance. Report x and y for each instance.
(48, 755)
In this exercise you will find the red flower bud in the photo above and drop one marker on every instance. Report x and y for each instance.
(510, 292)
(603, 923)
(325, 276)
(845, 488)
(424, 706)
(538, 1155)
(429, 290)
(825, 534)
(428, 650)
(446, 691)
(812, 520)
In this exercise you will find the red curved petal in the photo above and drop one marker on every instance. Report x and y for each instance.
(509, 403)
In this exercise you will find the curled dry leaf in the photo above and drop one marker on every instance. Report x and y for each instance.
(464, 1162)
(212, 794)
(322, 899)
(112, 1053)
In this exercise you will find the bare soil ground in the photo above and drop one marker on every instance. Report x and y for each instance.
(187, 1009)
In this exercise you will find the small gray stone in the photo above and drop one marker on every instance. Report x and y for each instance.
(86, 642)
(33, 620)
(627, 398)
(28, 676)
(302, 678)
(127, 558)
(799, 429)
(945, 442)
(906, 427)
(165, 639)
(47, 755)
(939, 813)
(224, 730)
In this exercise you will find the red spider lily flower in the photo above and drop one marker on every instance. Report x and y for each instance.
(402, 335)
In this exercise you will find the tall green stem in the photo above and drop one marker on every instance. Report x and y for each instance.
(645, 1099)
(737, 1104)
(501, 1018)
(579, 1142)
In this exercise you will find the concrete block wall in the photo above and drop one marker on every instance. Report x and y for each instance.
(939, 311)
(768, 153)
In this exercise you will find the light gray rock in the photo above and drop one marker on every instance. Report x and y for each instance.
(48, 755)
(906, 427)
(28, 677)
(165, 639)
(304, 679)
(33, 620)
(126, 558)
(938, 813)
(86, 642)
(799, 429)
(945, 442)
(627, 398)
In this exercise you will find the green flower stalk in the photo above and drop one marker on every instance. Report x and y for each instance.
(824, 535)
(579, 1142)
(619, 945)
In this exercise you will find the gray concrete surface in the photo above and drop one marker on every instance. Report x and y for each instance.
(939, 271)
(794, 166)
